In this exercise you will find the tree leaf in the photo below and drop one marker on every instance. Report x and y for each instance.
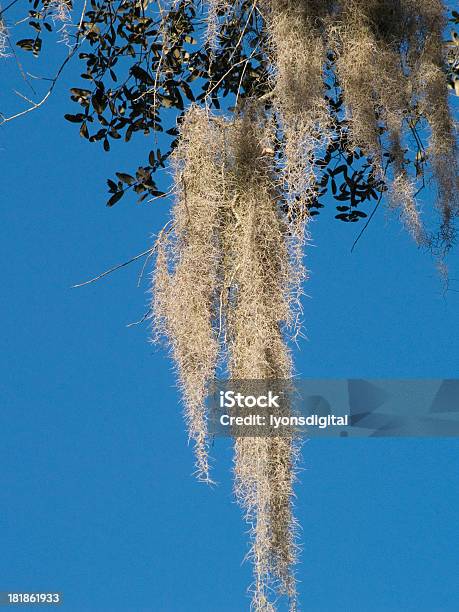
(84, 130)
(112, 186)
(115, 198)
(126, 178)
(75, 118)
(26, 43)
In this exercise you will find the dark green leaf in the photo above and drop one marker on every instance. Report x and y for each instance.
(75, 118)
(115, 198)
(112, 186)
(126, 178)
(26, 43)
(84, 130)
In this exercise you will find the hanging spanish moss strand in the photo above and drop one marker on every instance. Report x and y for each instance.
(4, 45)
(61, 14)
(60, 10)
(297, 54)
(215, 9)
(187, 270)
(390, 58)
(432, 92)
(258, 268)
(229, 246)
(363, 72)
(402, 192)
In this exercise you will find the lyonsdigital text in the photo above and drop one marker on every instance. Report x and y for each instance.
(229, 399)
(258, 420)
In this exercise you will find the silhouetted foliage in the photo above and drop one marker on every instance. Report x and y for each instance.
(143, 63)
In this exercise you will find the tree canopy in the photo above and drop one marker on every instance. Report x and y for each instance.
(143, 62)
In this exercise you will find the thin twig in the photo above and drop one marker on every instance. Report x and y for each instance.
(166, 229)
(140, 321)
(54, 80)
(368, 220)
(145, 263)
(18, 93)
(125, 263)
(240, 82)
(7, 7)
(224, 76)
(374, 210)
(163, 195)
(267, 96)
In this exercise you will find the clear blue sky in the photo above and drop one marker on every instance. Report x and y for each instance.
(96, 490)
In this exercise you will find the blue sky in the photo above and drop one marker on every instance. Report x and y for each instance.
(96, 491)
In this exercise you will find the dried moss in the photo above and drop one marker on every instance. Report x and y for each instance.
(229, 277)
(186, 276)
